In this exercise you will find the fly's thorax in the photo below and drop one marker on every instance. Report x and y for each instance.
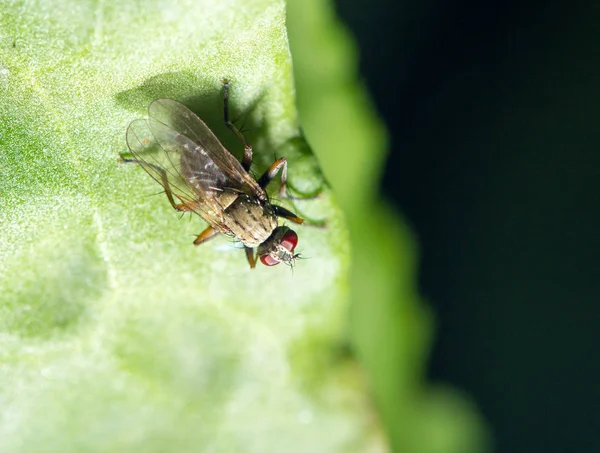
(226, 198)
(250, 220)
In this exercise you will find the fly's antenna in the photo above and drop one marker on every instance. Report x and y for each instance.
(292, 262)
(299, 256)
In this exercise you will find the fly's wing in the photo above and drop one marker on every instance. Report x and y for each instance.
(165, 156)
(168, 117)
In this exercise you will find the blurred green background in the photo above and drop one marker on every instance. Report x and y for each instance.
(493, 110)
(391, 326)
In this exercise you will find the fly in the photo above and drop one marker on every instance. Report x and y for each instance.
(178, 150)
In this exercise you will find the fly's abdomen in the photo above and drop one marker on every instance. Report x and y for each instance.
(251, 222)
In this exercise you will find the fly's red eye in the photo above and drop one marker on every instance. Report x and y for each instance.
(268, 260)
(289, 240)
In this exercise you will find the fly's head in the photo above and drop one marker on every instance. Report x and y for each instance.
(279, 247)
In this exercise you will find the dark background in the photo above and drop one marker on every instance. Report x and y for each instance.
(494, 114)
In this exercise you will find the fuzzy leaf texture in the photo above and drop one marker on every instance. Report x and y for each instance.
(116, 334)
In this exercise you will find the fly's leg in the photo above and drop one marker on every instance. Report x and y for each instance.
(277, 166)
(208, 232)
(280, 165)
(181, 207)
(250, 256)
(206, 235)
(282, 212)
(267, 177)
(247, 159)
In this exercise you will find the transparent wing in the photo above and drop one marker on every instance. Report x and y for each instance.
(167, 161)
(174, 125)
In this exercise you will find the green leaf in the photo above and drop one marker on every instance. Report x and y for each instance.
(392, 328)
(116, 334)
